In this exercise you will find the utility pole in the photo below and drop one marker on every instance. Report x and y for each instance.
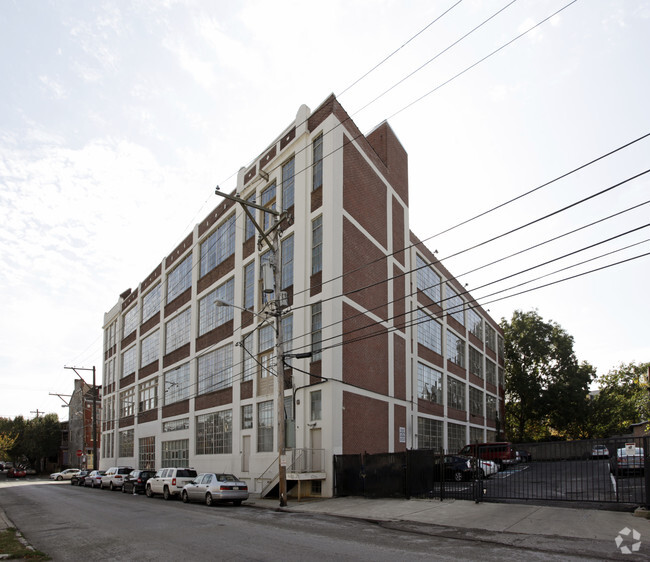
(278, 305)
(94, 393)
(37, 412)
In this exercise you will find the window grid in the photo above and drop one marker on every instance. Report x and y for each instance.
(475, 435)
(177, 384)
(490, 337)
(455, 393)
(455, 349)
(127, 403)
(249, 365)
(490, 407)
(429, 384)
(212, 316)
(317, 245)
(176, 425)
(219, 246)
(177, 331)
(215, 370)
(214, 433)
(247, 416)
(265, 427)
(456, 437)
(455, 305)
(249, 286)
(490, 372)
(316, 331)
(315, 405)
(287, 262)
(129, 361)
(150, 349)
(288, 180)
(148, 395)
(250, 226)
(151, 303)
(130, 321)
(475, 362)
(180, 279)
(429, 433)
(475, 401)
(317, 159)
(175, 453)
(268, 201)
(429, 332)
(126, 443)
(147, 453)
(475, 323)
(428, 281)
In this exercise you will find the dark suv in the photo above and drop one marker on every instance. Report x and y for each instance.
(136, 481)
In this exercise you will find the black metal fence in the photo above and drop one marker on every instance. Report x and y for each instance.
(608, 472)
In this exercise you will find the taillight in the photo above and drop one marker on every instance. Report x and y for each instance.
(224, 487)
(173, 481)
(139, 480)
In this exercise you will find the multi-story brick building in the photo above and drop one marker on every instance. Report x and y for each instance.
(400, 355)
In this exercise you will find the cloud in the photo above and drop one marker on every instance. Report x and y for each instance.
(54, 87)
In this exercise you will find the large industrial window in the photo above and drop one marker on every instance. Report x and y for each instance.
(455, 349)
(455, 393)
(129, 358)
(175, 453)
(316, 331)
(428, 280)
(130, 321)
(287, 262)
(429, 332)
(177, 384)
(219, 246)
(214, 433)
(265, 427)
(455, 305)
(215, 370)
(151, 303)
(429, 433)
(127, 403)
(147, 453)
(315, 406)
(212, 316)
(429, 384)
(126, 443)
(148, 395)
(150, 349)
(475, 362)
(177, 331)
(456, 437)
(180, 279)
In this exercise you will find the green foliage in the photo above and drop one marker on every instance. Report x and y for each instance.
(7, 443)
(622, 401)
(546, 388)
(33, 440)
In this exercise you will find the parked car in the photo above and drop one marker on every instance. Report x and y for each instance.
(456, 468)
(78, 479)
(488, 468)
(16, 472)
(136, 481)
(214, 488)
(524, 456)
(502, 453)
(599, 452)
(169, 482)
(626, 462)
(94, 479)
(113, 478)
(66, 474)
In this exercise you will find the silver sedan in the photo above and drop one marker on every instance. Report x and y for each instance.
(214, 488)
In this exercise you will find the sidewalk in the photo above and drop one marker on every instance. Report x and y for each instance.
(586, 532)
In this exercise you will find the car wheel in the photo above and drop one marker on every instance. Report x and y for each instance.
(481, 473)
(123, 489)
(184, 497)
(208, 499)
(111, 487)
(59, 478)
(237, 502)
(148, 492)
(458, 476)
(166, 494)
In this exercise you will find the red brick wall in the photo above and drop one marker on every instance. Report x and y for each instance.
(359, 251)
(364, 194)
(399, 367)
(365, 362)
(365, 424)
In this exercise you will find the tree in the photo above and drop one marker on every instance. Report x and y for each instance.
(7, 443)
(546, 389)
(622, 401)
(32, 440)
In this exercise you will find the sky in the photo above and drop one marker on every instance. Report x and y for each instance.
(118, 119)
